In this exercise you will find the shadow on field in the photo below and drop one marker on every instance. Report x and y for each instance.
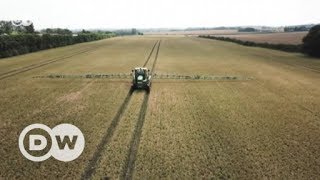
(91, 167)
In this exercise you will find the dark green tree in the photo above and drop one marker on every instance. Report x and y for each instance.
(311, 42)
(6, 27)
(29, 29)
(248, 29)
(85, 32)
(134, 31)
(57, 31)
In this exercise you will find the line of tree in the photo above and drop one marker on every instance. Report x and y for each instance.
(248, 29)
(16, 40)
(12, 45)
(282, 47)
(296, 28)
(56, 31)
(126, 32)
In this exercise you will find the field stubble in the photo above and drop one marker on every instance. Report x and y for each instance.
(266, 127)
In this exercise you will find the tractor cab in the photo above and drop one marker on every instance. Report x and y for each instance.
(141, 78)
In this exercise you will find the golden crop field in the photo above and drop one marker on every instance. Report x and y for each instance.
(272, 38)
(262, 124)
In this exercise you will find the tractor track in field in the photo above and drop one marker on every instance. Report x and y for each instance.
(90, 169)
(151, 52)
(307, 68)
(44, 63)
(128, 168)
(135, 141)
(299, 65)
(156, 58)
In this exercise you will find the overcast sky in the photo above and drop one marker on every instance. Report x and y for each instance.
(86, 14)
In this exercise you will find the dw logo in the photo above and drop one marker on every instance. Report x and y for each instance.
(67, 142)
(21, 23)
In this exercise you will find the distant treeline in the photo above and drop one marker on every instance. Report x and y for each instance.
(296, 28)
(126, 32)
(57, 31)
(285, 29)
(210, 28)
(282, 47)
(12, 45)
(248, 29)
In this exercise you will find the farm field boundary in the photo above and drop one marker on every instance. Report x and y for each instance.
(281, 47)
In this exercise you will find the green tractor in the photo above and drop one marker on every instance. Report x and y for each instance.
(141, 78)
